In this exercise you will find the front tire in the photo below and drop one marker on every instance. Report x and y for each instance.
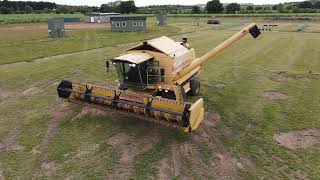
(194, 87)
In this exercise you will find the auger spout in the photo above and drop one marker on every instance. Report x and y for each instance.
(252, 29)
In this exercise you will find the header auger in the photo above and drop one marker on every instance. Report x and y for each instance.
(155, 78)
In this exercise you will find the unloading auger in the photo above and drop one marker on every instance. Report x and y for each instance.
(155, 78)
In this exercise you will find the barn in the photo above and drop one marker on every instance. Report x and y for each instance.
(128, 23)
(97, 17)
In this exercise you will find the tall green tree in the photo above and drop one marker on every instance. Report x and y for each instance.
(4, 10)
(233, 8)
(316, 5)
(110, 7)
(28, 9)
(62, 10)
(305, 4)
(275, 7)
(127, 7)
(196, 10)
(280, 8)
(250, 8)
(257, 8)
(214, 6)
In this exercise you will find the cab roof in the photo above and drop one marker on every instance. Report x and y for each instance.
(134, 57)
(163, 44)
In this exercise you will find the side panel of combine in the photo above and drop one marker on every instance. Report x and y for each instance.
(178, 114)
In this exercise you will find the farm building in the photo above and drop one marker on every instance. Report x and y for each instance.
(71, 20)
(161, 19)
(128, 23)
(56, 27)
(97, 17)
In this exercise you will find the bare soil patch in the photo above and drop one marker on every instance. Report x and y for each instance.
(220, 86)
(9, 142)
(59, 111)
(187, 158)
(298, 139)
(52, 129)
(128, 147)
(88, 110)
(31, 91)
(298, 175)
(6, 94)
(274, 95)
(227, 166)
(48, 168)
(287, 76)
(1, 173)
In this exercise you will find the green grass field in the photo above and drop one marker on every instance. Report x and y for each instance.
(44, 138)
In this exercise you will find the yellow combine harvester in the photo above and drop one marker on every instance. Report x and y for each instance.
(155, 76)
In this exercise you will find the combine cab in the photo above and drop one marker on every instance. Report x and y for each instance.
(155, 79)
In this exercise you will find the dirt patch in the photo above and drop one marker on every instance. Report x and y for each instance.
(1, 175)
(60, 111)
(183, 161)
(298, 139)
(165, 170)
(188, 157)
(121, 139)
(88, 110)
(210, 118)
(274, 95)
(31, 91)
(52, 129)
(9, 142)
(48, 169)
(298, 175)
(227, 166)
(220, 86)
(6, 94)
(287, 76)
(128, 147)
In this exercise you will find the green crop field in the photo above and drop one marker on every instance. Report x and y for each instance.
(261, 97)
(32, 18)
(249, 15)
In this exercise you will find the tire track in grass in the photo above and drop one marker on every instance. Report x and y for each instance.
(9, 142)
(48, 168)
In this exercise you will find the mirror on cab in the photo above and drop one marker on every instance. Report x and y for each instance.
(109, 64)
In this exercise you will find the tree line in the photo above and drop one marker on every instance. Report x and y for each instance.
(214, 6)
(21, 7)
(124, 7)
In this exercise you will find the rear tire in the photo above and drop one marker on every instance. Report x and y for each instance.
(194, 87)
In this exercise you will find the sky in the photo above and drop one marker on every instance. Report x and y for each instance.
(162, 2)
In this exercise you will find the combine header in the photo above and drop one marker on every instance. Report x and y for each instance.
(155, 78)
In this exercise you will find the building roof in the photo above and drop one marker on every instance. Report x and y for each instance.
(135, 57)
(123, 18)
(165, 45)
